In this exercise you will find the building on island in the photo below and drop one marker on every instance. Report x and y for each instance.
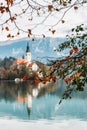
(33, 68)
(27, 60)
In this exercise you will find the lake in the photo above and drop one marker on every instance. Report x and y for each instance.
(29, 105)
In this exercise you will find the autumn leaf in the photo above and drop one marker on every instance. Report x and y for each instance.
(29, 32)
(57, 9)
(13, 19)
(47, 78)
(85, 58)
(12, 36)
(37, 79)
(75, 49)
(53, 31)
(78, 74)
(9, 35)
(25, 78)
(67, 80)
(7, 9)
(50, 7)
(70, 52)
(79, 61)
(30, 19)
(9, 2)
(71, 77)
(75, 7)
(62, 21)
(18, 33)
(64, 3)
(2, 9)
(7, 29)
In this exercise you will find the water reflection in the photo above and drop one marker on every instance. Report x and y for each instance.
(40, 101)
(23, 93)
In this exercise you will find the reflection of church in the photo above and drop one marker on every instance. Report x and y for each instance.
(20, 96)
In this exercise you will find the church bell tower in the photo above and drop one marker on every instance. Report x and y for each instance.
(28, 53)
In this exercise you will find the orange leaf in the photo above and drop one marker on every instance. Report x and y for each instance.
(7, 29)
(29, 31)
(70, 52)
(25, 78)
(57, 9)
(9, 35)
(47, 78)
(18, 33)
(67, 80)
(13, 19)
(62, 21)
(53, 31)
(85, 58)
(9, 2)
(50, 7)
(78, 74)
(71, 77)
(75, 49)
(54, 79)
(75, 7)
(79, 61)
(64, 3)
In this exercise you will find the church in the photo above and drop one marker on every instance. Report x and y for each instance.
(27, 60)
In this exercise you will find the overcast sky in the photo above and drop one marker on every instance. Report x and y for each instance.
(71, 18)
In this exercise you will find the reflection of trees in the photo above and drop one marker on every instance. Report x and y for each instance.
(24, 92)
(9, 90)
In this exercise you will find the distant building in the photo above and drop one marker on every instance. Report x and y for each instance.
(27, 59)
(28, 54)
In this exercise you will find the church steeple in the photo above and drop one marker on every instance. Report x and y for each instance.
(28, 53)
(27, 48)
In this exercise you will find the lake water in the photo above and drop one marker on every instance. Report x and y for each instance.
(36, 106)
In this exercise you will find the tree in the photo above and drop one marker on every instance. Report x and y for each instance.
(26, 17)
(73, 68)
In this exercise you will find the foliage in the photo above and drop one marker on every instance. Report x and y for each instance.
(24, 16)
(73, 68)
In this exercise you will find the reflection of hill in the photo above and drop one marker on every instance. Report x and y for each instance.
(35, 101)
(10, 91)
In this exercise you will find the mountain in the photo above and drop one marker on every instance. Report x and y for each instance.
(6, 62)
(41, 48)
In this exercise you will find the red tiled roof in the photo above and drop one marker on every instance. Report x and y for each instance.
(20, 61)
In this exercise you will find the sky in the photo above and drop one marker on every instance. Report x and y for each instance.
(16, 47)
(41, 49)
(72, 18)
